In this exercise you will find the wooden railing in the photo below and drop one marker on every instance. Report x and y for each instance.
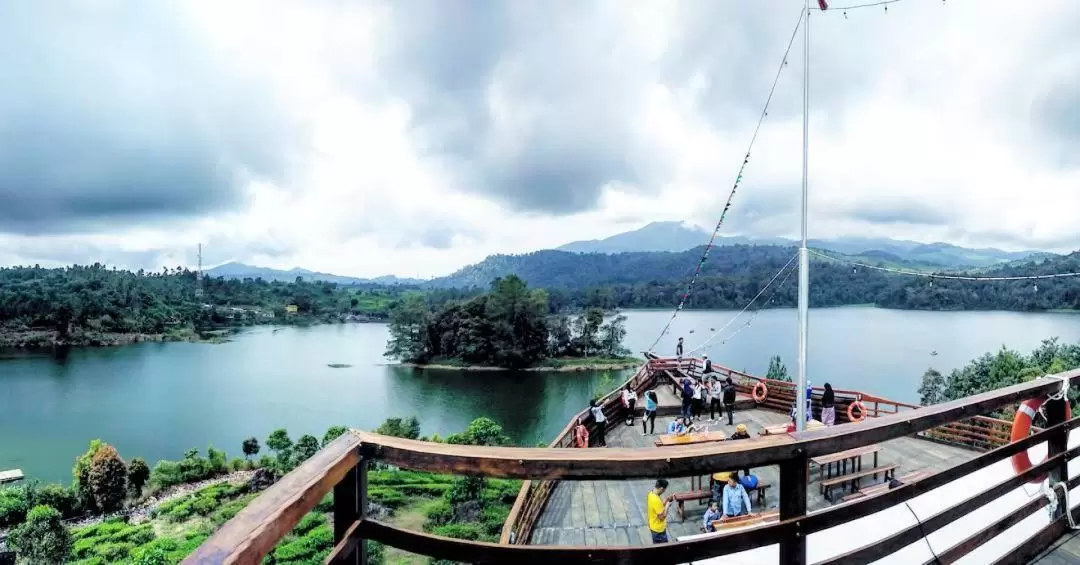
(342, 467)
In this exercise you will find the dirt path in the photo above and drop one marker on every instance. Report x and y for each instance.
(411, 518)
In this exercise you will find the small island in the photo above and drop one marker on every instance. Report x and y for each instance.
(511, 327)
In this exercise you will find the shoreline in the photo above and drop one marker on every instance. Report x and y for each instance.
(567, 368)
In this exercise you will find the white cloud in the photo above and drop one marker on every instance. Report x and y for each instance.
(925, 125)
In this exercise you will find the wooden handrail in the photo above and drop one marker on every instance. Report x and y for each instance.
(252, 533)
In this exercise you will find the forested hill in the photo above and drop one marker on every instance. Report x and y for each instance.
(734, 274)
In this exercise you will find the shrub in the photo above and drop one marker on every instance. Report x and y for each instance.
(309, 522)
(138, 474)
(438, 513)
(326, 504)
(108, 478)
(296, 549)
(13, 506)
(466, 531)
(42, 538)
(138, 535)
(113, 552)
(387, 497)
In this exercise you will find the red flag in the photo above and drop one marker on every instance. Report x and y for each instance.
(822, 4)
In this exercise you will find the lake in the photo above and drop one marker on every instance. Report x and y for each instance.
(155, 400)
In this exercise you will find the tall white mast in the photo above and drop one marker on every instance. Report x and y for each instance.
(804, 254)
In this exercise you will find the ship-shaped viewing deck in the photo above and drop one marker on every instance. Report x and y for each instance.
(612, 513)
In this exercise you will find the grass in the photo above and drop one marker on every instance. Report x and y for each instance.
(560, 362)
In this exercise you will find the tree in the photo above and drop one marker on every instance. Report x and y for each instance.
(108, 479)
(481, 431)
(408, 428)
(279, 440)
(251, 447)
(333, 433)
(586, 331)
(932, 389)
(777, 370)
(306, 446)
(612, 335)
(42, 538)
(138, 474)
(80, 474)
(409, 330)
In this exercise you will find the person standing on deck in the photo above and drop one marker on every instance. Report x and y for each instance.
(687, 397)
(708, 365)
(716, 400)
(581, 435)
(657, 509)
(629, 400)
(601, 423)
(678, 349)
(650, 413)
(828, 406)
(736, 501)
(729, 400)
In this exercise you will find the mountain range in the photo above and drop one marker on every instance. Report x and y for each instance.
(678, 236)
(242, 271)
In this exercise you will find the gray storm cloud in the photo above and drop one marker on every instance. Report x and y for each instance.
(118, 112)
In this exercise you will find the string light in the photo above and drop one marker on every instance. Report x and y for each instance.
(734, 188)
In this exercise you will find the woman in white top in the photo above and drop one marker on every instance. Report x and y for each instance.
(716, 400)
(629, 400)
(601, 423)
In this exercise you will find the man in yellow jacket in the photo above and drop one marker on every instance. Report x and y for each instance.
(658, 510)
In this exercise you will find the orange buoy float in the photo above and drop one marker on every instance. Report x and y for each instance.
(851, 408)
(1021, 428)
(760, 392)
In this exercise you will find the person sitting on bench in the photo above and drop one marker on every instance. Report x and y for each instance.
(677, 427)
(735, 500)
(711, 515)
(740, 432)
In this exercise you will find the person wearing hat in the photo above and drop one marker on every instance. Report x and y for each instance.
(740, 432)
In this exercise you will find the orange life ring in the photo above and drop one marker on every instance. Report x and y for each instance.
(862, 411)
(764, 392)
(1020, 430)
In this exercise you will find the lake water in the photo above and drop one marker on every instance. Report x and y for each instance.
(156, 400)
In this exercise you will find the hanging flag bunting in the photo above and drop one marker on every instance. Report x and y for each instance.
(823, 4)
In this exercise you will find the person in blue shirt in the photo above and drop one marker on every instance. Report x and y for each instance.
(735, 500)
(649, 418)
(711, 515)
(677, 426)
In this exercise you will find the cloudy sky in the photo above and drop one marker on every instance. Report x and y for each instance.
(368, 137)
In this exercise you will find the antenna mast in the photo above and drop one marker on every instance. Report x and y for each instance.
(199, 275)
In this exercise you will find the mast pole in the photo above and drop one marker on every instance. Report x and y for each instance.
(804, 255)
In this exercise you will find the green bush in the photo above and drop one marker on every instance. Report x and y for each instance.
(204, 505)
(309, 522)
(228, 510)
(13, 506)
(326, 504)
(386, 496)
(181, 512)
(138, 535)
(429, 489)
(113, 552)
(299, 548)
(466, 531)
(438, 513)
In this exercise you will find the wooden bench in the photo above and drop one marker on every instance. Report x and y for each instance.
(825, 462)
(680, 499)
(853, 478)
(876, 489)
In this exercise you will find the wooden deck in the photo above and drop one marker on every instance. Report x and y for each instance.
(612, 513)
(1065, 551)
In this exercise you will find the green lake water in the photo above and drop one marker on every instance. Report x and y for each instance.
(156, 400)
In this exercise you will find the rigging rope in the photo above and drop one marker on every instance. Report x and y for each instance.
(941, 276)
(857, 6)
(748, 305)
(734, 189)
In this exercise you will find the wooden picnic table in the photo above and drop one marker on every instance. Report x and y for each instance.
(782, 428)
(690, 438)
(840, 459)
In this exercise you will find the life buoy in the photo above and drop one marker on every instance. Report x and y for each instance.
(1021, 428)
(862, 411)
(764, 390)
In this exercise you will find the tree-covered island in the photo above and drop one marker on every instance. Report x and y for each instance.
(511, 327)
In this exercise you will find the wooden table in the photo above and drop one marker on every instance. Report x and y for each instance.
(690, 438)
(782, 428)
(825, 462)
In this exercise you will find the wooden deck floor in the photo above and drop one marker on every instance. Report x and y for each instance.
(1064, 551)
(612, 513)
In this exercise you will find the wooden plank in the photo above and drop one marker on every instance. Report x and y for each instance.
(344, 550)
(666, 440)
(848, 454)
(440, 547)
(252, 533)
(590, 506)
